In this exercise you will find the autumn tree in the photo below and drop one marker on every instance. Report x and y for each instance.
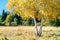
(35, 9)
(8, 19)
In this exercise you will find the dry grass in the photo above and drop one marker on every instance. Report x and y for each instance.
(27, 33)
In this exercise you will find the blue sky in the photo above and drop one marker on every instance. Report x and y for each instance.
(3, 5)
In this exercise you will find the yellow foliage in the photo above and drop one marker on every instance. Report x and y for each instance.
(29, 8)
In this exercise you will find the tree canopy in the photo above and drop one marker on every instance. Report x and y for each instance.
(35, 8)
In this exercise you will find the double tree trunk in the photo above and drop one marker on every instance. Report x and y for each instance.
(36, 29)
(38, 32)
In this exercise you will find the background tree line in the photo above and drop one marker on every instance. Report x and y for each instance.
(12, 19)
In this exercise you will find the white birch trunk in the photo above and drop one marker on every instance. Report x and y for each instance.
(40, 30)
(36, 29)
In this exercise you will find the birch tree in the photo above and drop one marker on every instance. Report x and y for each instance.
(35, 9)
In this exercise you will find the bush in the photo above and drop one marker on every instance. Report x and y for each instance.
(13, 18)
(18, 19)
(30, 22)
(55, 23)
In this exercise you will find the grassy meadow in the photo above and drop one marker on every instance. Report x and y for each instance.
(27, 33)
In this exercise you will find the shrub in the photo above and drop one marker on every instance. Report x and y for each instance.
(55, 23)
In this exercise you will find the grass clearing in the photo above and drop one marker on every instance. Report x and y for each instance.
(27, 33)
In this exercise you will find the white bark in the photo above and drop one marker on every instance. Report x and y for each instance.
(36, 29)
(40, 30)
